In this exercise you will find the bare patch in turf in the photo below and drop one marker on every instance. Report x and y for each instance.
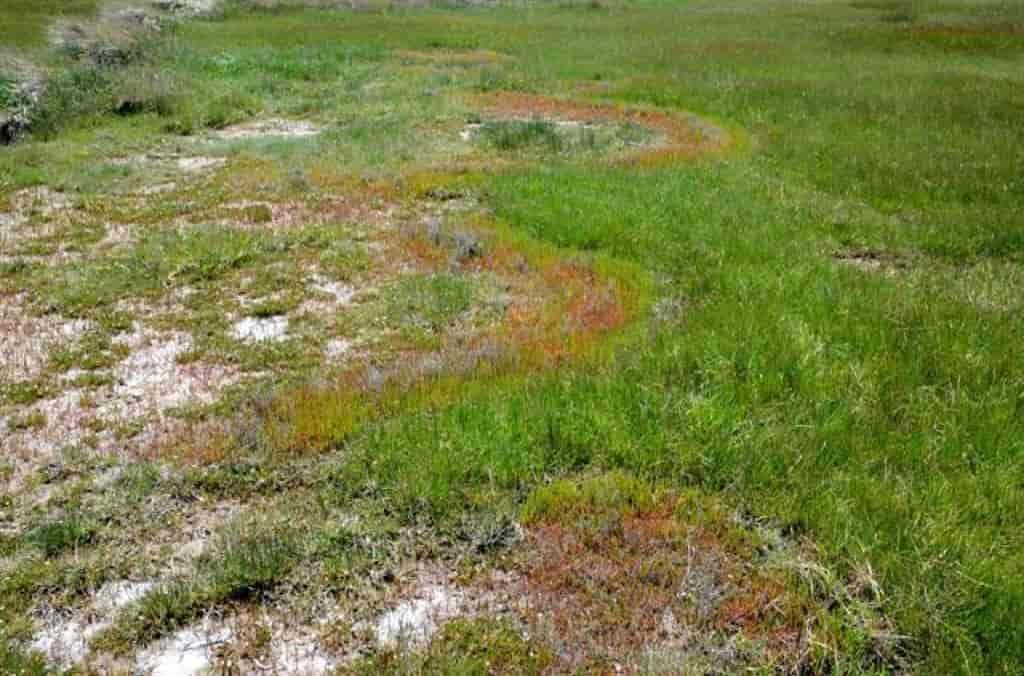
(65, 639)
(274, 127)
(871, 260)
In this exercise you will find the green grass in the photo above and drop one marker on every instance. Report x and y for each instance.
(56, 537)
(194, 255)
(547, 137)
(429, 301)
(13, 661)
(247, 561)
(516, 135)
(879, 416)
(464, 646)
(23, 23)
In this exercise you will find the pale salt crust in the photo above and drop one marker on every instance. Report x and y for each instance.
(146, 384)
(258, 330)
(64, 640)
(189, 651)
(35, 213)
(191, 165)
(274, 127)
(26, 342)
(338, 348)
(415, 621)
(329, 296)
(298, 653)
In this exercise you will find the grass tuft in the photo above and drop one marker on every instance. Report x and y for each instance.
(57, 537)
(248, 560)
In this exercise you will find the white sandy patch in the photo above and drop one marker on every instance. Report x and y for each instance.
(342, 293)
(152, 377)
(248, 204)
(34, 213)
(159, 188)
(257, 329)
(195, 164)
(25, 342)
(190, 651)
(151, 372)
(146, 384)
(413, 622)
(328, 295)
(41, 200)
(300, 656)
(272, 127)
(65, 639)
(337, 348)
(162, 165)
(116, 595)
(186, 6)
(65, 425)
(116, 235)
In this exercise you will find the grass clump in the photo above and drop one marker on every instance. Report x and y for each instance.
(509, 135)
(465, 646)
(57, 537)
(160, 260)
(24, 393)
(431, 301)
(33, 420)
(247, 561)
(19, 663)
(553, 138)
(248, 564)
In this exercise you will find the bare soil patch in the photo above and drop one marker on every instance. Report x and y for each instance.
(871, 260)
(274, 127)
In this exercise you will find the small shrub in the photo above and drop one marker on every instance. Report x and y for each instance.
(74, 94)
(8, 89)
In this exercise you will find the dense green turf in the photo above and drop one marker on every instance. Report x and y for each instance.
(882, 415)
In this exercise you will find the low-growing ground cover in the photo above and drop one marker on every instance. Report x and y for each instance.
(593, 336)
